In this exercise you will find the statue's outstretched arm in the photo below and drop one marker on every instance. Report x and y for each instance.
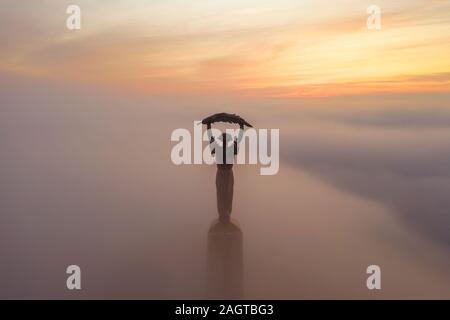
(240, 134)
(238, 140)
(211, 138)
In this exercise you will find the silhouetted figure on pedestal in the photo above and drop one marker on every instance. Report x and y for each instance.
(225, 153)
(225, 263)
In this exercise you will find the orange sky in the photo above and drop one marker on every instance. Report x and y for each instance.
(280, 48)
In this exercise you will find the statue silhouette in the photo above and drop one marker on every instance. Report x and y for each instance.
(225, 263)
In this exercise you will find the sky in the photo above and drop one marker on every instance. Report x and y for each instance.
(286, 48)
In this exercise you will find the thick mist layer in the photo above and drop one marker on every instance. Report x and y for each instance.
(86, 179)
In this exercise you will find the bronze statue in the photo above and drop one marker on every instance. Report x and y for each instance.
(225, 263)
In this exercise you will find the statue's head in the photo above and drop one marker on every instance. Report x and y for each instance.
(226, 138)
